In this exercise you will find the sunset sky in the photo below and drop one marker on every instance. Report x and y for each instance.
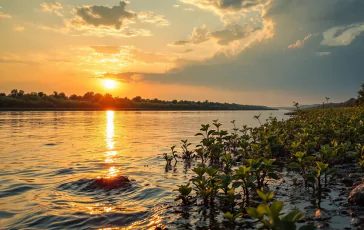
(267, 52)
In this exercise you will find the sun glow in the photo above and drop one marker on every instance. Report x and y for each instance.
(109, 83)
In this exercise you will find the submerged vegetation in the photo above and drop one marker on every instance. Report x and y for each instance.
(90, 100)
(237, 171)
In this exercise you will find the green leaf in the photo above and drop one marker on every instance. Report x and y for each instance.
(261, 194)
(294, 165)
(276, 207)
(294, 216)
(273, 175)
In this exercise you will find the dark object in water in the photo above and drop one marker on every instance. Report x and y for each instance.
(112, 182)
(100, 183)
(357, 195)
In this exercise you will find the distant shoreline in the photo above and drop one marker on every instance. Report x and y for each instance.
(122, 109)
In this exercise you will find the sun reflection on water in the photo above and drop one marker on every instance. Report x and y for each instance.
(111, 153)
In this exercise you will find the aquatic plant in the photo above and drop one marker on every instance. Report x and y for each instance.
(271, 215)
(168, 158)
(232, 217)
(185, 191)
(302, 162)
(186, 154)
(236, 163)
(245, 179)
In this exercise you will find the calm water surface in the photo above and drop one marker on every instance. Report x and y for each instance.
(49, 160)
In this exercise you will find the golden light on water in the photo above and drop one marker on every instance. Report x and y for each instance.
(109, 83)
(111, 153)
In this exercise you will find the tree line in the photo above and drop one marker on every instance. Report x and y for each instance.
(90, 100)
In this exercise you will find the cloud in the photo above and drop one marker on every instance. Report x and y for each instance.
(125, 31)
(342, 35)
(128, 77)
(106, 49)
(232, 33)
(148, 57)
(55, 8)
(189, 9)
(11, 59)
(96, 16)
(299, 43)
(19, 28)
(101, 21)
(200, 35)
(227, 6)
(5, 16)
(152, 18)
(329, 62)
(180, 43)
(187, 51)
(125, 55)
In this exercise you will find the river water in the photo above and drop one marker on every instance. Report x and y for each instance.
(49, 161)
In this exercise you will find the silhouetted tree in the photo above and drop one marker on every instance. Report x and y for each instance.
(97, 97)
(20, 93)
(107, 100)
(88, 96)
(40, 94)
(73, 97)
(14, 92)
(62, 96)
(55, 94)
(137, 99)
(2, 94)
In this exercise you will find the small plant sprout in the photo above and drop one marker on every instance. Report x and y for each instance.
(266, 197)
(174, 153)
(168, 158)
(294, 181)
(186, 154)
(184, 193)
(232, 217)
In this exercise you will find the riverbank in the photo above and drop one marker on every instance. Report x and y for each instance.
(310, 164)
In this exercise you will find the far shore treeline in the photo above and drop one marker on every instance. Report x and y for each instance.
(18, 99)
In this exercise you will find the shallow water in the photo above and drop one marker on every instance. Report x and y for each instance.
(49, 162)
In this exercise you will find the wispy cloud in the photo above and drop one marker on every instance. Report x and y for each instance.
(299, 43)
(55, 8)
(5, 16)
(152, 18)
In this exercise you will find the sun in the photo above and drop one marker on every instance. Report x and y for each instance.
(109, 83)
